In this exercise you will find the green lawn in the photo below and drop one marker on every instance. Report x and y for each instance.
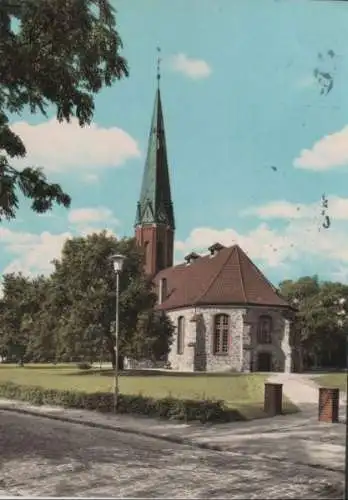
(338, 380)
(242, 392)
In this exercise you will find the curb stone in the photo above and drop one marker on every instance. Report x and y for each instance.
(89, 423)
(167, 438)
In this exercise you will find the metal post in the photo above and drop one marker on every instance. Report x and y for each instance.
(346, 449)
(116, 344)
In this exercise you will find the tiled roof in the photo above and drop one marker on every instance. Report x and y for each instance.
(228, 277)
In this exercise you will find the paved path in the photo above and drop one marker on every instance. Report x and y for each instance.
(289, 442)
(42, 457)
(299, 438)
(302, 390)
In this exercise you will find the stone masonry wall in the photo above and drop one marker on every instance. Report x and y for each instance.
(279, 348)
(205, 328)
(243, 349)
(198, 352)
(183, 362)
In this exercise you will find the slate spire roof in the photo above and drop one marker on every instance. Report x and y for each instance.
(228, 277)
(155, 204)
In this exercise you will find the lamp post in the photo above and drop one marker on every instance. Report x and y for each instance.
(342, 313)
(117, 261)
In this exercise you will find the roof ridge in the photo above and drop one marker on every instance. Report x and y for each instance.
(241, 273)
(261, 273)
(214, 277)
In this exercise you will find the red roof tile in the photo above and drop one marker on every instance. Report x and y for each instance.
(229, 277)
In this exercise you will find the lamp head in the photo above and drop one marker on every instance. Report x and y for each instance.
(117, 260)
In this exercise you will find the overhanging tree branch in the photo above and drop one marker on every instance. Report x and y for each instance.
(62, 54)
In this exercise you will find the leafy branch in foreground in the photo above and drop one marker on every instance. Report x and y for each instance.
(52, 52)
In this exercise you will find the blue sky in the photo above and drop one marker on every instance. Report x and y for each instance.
(239, 98)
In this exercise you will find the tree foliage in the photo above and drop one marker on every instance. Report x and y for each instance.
(58, 53)
(71, 314)
(317, 325)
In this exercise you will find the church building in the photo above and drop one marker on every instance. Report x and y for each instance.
(227, 315)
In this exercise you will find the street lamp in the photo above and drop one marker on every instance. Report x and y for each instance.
(342, 313)
(117, 261)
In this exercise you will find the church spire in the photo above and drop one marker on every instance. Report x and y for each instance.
(154, 222)
(155, 203)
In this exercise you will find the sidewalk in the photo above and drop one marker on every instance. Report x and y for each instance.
(298, 438)
(304, 393)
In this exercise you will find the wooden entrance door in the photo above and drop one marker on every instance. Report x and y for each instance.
(264, 362)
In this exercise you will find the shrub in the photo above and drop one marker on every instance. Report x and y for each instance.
(168, 408)
(83, 365)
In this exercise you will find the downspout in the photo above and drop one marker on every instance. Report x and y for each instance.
(193, 342)
(244, 325)
(241, 342)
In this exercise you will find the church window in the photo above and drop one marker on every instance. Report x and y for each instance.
(181, 335)
(264, 330)
(221, 333)
(162, 290)
(160, 256)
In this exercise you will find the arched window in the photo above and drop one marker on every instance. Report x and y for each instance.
(160, 256)
(264, 330)
(181, 335)
(162, 290)
(221, 333)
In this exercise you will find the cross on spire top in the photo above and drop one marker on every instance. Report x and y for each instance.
(159, 60)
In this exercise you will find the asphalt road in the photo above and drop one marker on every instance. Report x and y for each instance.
(42, 457)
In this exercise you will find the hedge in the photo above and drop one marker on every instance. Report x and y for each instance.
(169, 408)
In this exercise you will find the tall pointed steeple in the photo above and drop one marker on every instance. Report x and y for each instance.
(155, 203)
(154, 221)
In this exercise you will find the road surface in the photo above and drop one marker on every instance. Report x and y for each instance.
(42, 457)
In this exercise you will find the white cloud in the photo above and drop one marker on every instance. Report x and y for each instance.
(329, 152)
(92, 220)
(303, 238)
(299, 243)
(281, 210)
(337, 210)
(261, 243)
(33, 252)
(92, 215)
(192, 68)
(65, 146)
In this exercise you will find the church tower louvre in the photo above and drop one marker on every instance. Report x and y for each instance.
(154, 223)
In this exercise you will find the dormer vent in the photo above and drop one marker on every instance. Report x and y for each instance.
(191, 257)
(215, 248)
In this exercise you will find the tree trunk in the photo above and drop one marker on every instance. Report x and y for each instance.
(120, 359)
